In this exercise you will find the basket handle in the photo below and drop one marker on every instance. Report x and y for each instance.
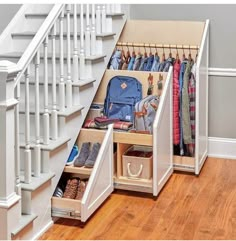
(134, 175)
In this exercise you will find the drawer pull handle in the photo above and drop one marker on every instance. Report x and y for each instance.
(134, 175)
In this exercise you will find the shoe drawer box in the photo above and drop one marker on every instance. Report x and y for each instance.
(137, 162)
(100, 183)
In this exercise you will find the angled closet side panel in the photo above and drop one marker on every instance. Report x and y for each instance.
(162, 138)
(202, 102)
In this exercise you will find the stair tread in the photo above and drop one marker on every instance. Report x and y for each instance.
(67, 112)
(19, 54)
(53, 144)
(44, 15)
(25, 220)
(84, 82)
(32, 34)
(36, 181)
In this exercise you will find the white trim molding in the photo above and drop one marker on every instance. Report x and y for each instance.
(222, 147)
(222, 72)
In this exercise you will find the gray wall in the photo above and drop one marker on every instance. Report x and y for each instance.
(222, 90)
(7, 11)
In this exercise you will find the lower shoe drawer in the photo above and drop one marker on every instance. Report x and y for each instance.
(67, 208)
(99, 185)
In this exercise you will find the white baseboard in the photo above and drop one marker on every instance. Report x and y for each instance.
(43, 230)
(222, 147)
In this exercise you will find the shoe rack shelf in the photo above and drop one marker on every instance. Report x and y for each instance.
(78, 170)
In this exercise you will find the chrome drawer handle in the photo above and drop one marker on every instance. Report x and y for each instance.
(134, 175)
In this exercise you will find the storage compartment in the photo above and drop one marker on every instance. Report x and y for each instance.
(100, 180)
(137, 162)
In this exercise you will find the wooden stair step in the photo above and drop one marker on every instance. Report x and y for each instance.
(53, 145)
(16, 55)
(25, 220)
(36, 181)
(31, 34)
(66, 113)
(44, 15)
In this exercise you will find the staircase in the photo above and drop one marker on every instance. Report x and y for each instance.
(52, 59)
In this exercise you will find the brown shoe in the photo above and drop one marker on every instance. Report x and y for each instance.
(80, 190)
(71, 188)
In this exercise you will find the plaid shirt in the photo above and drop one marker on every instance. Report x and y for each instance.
(192, 107)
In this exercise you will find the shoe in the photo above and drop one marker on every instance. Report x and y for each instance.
(80, 190)
(83, 155)
(58, 192)
(93, 155)
(71, 188)
(73, 155)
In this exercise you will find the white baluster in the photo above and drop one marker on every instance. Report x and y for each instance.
(113, 8)
(117, 8)
(54, 123)
(17, 142)
(93, 32)
(103, 19)
(87, 33)
(37, 149)
(98, 20)
(108, 8)
(108, 19)
(46, 114)
(75, 55)
(82, 56)
(68, 83)
(61, 84)
(27, 163)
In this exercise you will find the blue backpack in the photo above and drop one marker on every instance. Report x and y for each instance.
(123, 92)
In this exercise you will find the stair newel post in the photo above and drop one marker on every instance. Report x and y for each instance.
(8, 197)
(75, 54)
(82, 55)
(37, 148)
(68, 82)
(54, 117)
(17, 141)
(98, 20)
(46, 113)
(27, 163)
(87, 32)
(103, 19)
(61, 84)
(93, 32)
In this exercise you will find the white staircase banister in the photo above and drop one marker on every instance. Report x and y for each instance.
(38, 39)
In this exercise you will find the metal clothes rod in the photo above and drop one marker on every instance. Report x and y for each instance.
(159, 46)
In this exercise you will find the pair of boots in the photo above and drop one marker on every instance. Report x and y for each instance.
(75, 189)
(86, 157)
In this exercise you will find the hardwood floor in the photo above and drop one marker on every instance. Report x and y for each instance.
(188, 207)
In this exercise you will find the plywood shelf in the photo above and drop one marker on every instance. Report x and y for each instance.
(78, 170)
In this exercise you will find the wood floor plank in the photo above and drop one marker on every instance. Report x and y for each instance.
(188, 207)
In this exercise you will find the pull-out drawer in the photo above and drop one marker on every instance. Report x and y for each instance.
(100, 183)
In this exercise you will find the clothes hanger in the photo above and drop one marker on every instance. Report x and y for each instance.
(170, 54)
(183, 52)
(189, 55)
(163, 54)
(145, 52)
(150, 53)
(133, 53)
(177, 53)
(156, 54)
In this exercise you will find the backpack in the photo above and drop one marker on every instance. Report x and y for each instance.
(145, 112)
(123, 92)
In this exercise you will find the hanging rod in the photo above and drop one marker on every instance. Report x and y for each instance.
(159, 46)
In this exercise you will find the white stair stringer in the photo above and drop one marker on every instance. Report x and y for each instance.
(37, 202)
